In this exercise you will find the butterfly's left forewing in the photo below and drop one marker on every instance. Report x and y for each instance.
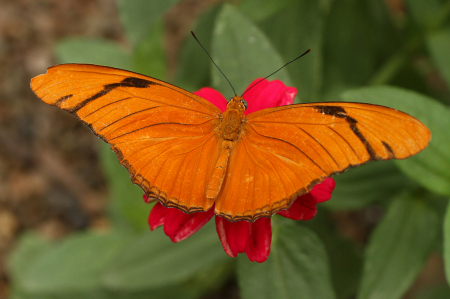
(162, 134)
(284, 151)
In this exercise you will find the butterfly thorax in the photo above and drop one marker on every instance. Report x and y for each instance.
(232, 119)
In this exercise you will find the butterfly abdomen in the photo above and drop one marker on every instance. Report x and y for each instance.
(220, 169)
(228, 132)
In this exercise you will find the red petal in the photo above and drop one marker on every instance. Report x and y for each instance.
(259, 239)
(214, 97)
(157, 215)
(303, 208)
(179, 225)
(267, 94)
(232, 235)
(322, 192)
(146, 199)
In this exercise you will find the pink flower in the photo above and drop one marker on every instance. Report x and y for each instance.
(241, 236)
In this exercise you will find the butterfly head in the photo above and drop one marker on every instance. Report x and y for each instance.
(237, 103)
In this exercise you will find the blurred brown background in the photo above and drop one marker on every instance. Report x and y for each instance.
(50, 178)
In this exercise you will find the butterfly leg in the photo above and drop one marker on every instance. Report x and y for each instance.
(215, 184)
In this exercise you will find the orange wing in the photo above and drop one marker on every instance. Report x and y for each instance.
(162, 134)
(285, 151)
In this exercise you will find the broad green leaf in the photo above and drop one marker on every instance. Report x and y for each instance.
(439, 46)
(398, 248)
(424, 12)
(296, 268)
(259, 10)
(345, 255)
(434, 292)
(447, 243)
(94, 51)
(29, 248)
(408, 78)
(127, 206)
(348, 53)
(153, 261)
(194, 67)
(363, 185)
(350, 45)
(346, 265)
(138, 16)
(294, 29)
(431, 167)
(149, 57)
(72, 266)
(242, 52)
(199, 283)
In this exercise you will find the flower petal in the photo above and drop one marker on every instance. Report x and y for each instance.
(259, 240)
(157, 215)
(214, 97)
(322, 192)
(268, 94)
(232, 235)
(179, 225)
(303, 208)
(146, 199)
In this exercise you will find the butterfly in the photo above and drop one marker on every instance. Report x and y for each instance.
(184, 152)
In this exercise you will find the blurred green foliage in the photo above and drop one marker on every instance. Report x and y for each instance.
(358, 48)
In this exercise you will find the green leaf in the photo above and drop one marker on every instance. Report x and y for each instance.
(435, 292)
(424, 12)
(138, 16)
(365, 184)
(296, 268)
(29, 248)
(294, 29)
(439, 46)
(346, 265)
(447, 243)
(149, 56)
(348, 25)
(127, 206)
(358, 34)
(197, 285)
(431, 167)
(242, 52)
(345, 255)
(153, 261)
(72, 266)
(194, 67)
(398, 248)
(259, 10)
(94, 51)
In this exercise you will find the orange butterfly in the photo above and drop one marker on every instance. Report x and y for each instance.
(183, 151)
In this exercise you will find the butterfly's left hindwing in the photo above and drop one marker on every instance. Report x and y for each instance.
(162, 134)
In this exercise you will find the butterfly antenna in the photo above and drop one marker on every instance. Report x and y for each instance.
(213, 62)
(307, 51)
